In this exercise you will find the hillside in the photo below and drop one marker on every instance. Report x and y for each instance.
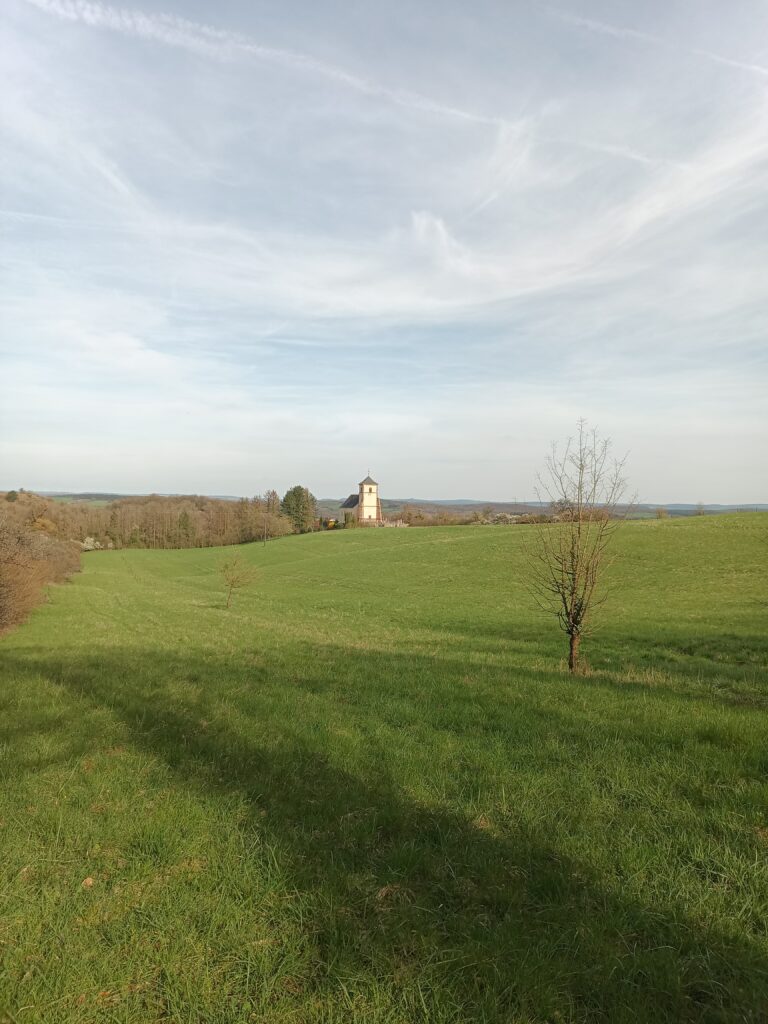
(368, 791)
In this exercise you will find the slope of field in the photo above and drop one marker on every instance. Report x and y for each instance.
(368, 791)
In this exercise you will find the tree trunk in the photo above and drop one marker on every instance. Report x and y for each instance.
(573, 652)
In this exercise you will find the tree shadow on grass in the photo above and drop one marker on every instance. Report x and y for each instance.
(456, 921)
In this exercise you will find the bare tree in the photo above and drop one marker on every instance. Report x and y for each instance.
(236, 575)
(29, 559)
(584, 486)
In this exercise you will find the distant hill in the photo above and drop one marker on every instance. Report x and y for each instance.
(395, 506)
(84, 496)
(717, 508)
(107, 496)
(330, 507)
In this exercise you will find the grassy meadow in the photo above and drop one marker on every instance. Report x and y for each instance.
(369, 792)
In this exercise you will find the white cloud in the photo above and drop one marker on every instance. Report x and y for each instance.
(625, 32)
(251, 252)
(211, 42)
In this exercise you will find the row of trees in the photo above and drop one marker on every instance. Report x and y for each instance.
(414, 515)
(156, 521)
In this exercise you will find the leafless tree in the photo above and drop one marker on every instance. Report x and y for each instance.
(236, 575)
(584, 486)
(29, 559)
(149, 521)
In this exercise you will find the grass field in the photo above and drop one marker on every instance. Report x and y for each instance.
(369, 792)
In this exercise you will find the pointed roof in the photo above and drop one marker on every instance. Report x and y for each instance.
(368, 481)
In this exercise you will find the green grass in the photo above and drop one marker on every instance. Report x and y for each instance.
(369, 791)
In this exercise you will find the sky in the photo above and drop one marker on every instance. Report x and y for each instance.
(246, 245)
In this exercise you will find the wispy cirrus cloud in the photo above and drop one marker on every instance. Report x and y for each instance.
(212, 42)
(605, 28)
(302, 263)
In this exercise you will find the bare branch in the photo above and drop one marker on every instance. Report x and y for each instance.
(236, 575)
(584, 486)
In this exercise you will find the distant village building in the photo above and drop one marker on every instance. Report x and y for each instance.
(365, 505)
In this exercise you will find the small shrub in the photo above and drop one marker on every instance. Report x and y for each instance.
(236, 575)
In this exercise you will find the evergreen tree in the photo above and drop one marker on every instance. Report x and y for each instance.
(300, 506)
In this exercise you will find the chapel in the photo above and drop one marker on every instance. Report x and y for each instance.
(365, 505)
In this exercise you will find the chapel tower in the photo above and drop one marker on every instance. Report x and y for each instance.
(368, 504)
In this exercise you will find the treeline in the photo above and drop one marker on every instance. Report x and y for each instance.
(30, 559)
(154, 521)
(157, 521)
(415, 515)
(558, 511)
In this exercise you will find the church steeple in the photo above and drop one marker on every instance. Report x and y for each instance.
(366, 503)
(369, 506)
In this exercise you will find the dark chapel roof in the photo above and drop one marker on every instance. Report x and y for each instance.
(368, 481)
(351, 502)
